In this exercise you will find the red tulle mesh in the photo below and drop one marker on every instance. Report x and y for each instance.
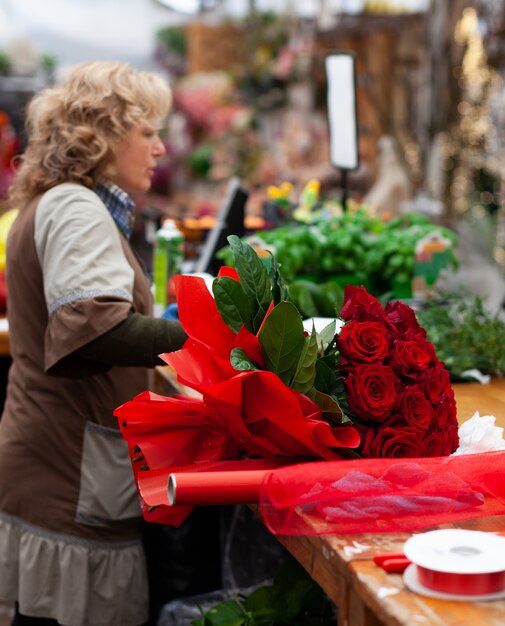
(382, 495)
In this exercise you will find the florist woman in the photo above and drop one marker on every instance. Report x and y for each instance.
(81, 338)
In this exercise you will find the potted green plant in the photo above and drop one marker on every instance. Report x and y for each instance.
(466, 335)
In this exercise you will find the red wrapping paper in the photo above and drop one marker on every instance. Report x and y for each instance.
(382, 495)
(252, 414)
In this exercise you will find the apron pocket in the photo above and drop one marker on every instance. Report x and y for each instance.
(107, 490)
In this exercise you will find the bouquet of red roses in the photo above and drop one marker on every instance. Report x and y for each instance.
(269, 389)
(378, 373)
(397, 391)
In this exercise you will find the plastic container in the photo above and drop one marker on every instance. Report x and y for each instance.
(168, 256)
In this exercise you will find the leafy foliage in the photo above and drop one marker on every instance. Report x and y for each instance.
(260, 302)
(305, 374)
(292, 599)
(465, 334)
(282, 339)
(241, 361)
(254, 280)
(353, 246)
(317, 300)
(233, 306)
(246, 302)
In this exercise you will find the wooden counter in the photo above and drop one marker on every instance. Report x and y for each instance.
(487, 399)
(364, 594)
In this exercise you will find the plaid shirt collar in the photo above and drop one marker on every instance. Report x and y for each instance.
(120, 206)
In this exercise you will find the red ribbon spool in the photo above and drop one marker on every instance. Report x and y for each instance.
(458, 562)
(461, 584)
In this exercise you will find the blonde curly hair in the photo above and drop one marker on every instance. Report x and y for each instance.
(74, 128)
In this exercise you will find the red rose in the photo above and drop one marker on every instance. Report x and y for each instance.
(372, 391)
(367, 434)
(393, 439)
(366, 342)
(404, 320)
(445, 412)
(442, 442)
(450, 438)
(433, 443)
(410, 358)
(416, 408)
(359, 305)
(436, 384)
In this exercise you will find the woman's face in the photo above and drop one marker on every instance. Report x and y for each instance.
(136, 159)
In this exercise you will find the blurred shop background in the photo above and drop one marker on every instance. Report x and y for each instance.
(250, 103)
(422, 213)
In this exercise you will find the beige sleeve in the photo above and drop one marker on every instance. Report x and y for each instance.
(79, 248)
(88, 282)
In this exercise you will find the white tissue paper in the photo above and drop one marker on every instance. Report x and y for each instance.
(480, 434)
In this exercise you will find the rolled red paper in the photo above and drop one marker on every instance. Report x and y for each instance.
(238, 487)
(222, 482)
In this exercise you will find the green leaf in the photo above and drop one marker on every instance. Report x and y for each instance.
(253, 279)
(312, 300)
(327, 335)
(227, 613)
(266, 617)
(325, 376)
(329, 406)
(279, 288)
(232, 303)
(308, 304)
(305, 374)
(334, 294)
(282, 340)
(258, 320)
(262, 598)
(240, 361)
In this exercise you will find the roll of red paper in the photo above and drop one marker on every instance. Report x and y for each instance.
(229, 485)
(239, 487)
(458, 562)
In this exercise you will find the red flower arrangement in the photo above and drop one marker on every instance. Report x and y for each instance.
(269, 389)
(397, 391)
